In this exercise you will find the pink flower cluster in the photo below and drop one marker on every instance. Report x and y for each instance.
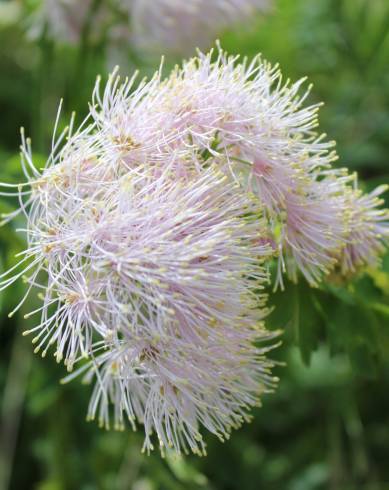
(178, 26)
(62, 20)
(153, 26)
(152, 229)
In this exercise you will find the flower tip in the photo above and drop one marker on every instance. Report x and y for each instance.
(58, 357)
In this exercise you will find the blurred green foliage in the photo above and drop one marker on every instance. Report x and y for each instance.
(327, 426)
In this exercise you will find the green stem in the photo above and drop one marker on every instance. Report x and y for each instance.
(12, 406)
(83, 52)
(42, 89)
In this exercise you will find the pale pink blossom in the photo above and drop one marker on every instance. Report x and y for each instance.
(157, 279)
(242, 117)
(178, 26)
(62, 20)
(66, 21)
(151, 230)
(150, 26)
(367, 230)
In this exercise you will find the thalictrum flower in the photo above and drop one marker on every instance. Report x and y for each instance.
(179, 27)
(244, 118)
(151, 229)
(368, 230)
(157, 279)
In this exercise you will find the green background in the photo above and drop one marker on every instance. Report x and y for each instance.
(327, 425)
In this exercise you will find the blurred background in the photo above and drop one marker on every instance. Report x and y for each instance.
(327, 426)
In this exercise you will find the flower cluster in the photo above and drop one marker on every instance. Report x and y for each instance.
(175, 26)
(152, 229)
(63, 20)
(178, 26)
(256, 129)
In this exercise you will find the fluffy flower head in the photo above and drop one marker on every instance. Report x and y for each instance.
(152, 228)
(244, 119)
(179, 26)
(155, 278)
